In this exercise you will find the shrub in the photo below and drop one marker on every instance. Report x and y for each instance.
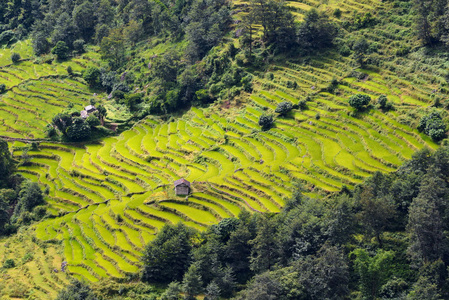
(15, 57)
(2, 88)
(9, 263)
(92, 76)
(302, 104)
(69, 70)
(78, 46)
(359, 101)
(79, 130)
(60, 50)
(284, 108)
(433, 125)
(93, 121)
(266, 121)
(383, 103)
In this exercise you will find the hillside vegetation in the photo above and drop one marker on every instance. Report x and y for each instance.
(198, 93)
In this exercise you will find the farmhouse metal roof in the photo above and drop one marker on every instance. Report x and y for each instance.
(181, 181)
(90, 108)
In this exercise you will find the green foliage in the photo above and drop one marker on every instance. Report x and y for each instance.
(433, 125)
(9, 263)
(316, 32)
(374, 271)
(79, 130)
(167, 257)
(30, 196)
(76, 290)
(2, 88)
(6, 162)
(359, 101)
(284, 108)
(266, 122)
(61, 50)
(15, 57)
(92, 76)
(92, 120)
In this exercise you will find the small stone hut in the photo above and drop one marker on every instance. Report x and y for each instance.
(87, 111)
(182, 187)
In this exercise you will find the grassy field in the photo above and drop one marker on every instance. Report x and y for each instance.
(110, 199)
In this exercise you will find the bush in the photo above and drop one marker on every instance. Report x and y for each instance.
(15, 57)
(78, 46)
(359, 101)
(2, 88)
(92, 76)
(60, 50)
(93, 121)
(266, 121)
(79, 130)
(284, 108)
(9, 263)
(433, 125)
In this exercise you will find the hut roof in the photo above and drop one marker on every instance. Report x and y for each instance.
(90, 108)
(181, 181)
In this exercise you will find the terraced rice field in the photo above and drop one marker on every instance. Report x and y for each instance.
(114, 196)
(110, 199)
(38, 91)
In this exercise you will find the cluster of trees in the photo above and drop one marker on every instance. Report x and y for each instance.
(21, 201)
(433, 125)
(75, 128)
(432, 21)
(385, 239)
(282, 32)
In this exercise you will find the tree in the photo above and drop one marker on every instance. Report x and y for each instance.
(6, 162)
(264, 246)
(360, 48)
(359, 101)
(316, 32)
(424, 288)
(112, 48)
(284, 108)
(167, 257)
(15, 57)
(84, 19)
(425, 224)
(376, 212)
(266, 121)
(92, 120)
(172, 292)
(30, 196)
(373, 271)
(277, 22)
(79, 130)
(40, 43)
(433, 125)
(265, 286)
(62, 122)
(212, 292)
(192, 283)
(102, 113)
(92, 76)
(77, 290)
(60, 50)
(7, 197)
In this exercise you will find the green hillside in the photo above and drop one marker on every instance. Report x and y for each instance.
(108, 199)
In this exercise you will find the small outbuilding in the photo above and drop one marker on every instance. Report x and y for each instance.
(87, 111)
(182, 187)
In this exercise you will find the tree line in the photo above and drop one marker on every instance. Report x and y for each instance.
(21, 200)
